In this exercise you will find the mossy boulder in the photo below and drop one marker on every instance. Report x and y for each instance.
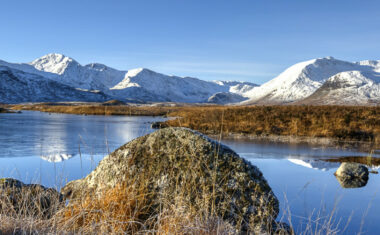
(28, 199)
(185, 169)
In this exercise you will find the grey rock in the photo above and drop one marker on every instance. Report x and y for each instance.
(28, 199)
(180, 163)
(225, 98)
(352, 175)
(352, 170)
(159, 125)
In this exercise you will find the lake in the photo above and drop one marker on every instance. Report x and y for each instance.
(53, 149)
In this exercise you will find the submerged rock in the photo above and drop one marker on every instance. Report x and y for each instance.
(28, 199)
(352, 175)
(185, 169)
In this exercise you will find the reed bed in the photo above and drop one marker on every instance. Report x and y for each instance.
(339, 122)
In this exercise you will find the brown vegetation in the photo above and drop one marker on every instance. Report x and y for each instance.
(124, 209)
(369, 161)
(118, 210)
(96, 109)
(341, 122)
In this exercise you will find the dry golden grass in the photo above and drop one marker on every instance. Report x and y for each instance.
(341, 122)
(124, 210)
(29, 210)
(118, 210)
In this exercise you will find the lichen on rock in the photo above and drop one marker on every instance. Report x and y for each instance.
(182, 168)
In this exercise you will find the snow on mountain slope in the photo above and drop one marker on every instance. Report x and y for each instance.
(301, 80)
(136, 84)
(348, 88)
(92, 77)
(25, 68)
(169, 88)
(240, 88)
(17, 86)
(374, 64)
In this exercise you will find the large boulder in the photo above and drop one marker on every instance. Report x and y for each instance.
(352, 175)
(28, 199)
(187, 170)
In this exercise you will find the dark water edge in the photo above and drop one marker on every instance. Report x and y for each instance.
(57, 148)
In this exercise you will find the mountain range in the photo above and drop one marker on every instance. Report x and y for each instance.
(55, 77)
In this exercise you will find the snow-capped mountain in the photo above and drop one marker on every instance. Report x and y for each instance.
(55, 77)
(68, 71)
(303, 79)
(17, 86)
(348, 88)
(141, 84)
(170, 88)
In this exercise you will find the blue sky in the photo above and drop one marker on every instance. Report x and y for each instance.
(234, 40)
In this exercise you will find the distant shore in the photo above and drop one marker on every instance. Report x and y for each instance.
(318, 142)
(322, 125)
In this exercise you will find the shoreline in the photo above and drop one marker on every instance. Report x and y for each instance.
(326, 126)
(323, 142)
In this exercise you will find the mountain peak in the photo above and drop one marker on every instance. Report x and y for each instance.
(300, 80)
(53, 63)
(55, 57)
(135, 72)
(329, 58)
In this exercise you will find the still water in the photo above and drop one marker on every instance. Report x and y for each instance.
(53, 149)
